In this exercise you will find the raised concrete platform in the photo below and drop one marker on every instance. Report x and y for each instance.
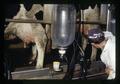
(30, 73)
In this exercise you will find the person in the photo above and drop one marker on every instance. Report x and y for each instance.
(106, 42)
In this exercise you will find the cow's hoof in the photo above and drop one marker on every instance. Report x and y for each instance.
(38, 67)
(32, 62)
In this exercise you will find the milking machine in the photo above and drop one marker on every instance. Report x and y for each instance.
(63, 27)
(63, 32)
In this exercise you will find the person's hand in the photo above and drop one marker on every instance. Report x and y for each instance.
(95, 45)
(108, 70)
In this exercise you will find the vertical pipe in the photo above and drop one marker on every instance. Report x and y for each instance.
(108, 18)
(111, 19)
(82, 26)
(47, 15)
(103, 13)
(82, 19)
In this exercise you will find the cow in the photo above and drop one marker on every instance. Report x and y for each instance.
(30, 32)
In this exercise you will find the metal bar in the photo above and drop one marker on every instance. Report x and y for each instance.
(90, 22)
(93, 75)
(103, 13)
(44, 22)
(26, 21)
(108, 17)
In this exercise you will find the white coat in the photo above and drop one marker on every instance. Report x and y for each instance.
(108, 55)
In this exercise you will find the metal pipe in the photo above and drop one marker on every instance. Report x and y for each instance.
(44, 22)
(108, 18)
(88, 76)
(26, 21)
(103, 13)
(90, 22)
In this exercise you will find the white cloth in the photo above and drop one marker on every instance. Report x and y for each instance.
(108, 55)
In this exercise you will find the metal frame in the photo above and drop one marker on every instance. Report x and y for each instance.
(45, 22)
(26, 21)
(90, 76)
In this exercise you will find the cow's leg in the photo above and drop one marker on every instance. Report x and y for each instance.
(94, 53)
(40, 58)
(34, 54)
(25, 45)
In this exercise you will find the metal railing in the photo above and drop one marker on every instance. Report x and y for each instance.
(45, 22)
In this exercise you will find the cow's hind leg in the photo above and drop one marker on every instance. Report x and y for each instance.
(40, 58)
(34, 54)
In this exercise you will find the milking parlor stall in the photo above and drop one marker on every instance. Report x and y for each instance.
(48, 41)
